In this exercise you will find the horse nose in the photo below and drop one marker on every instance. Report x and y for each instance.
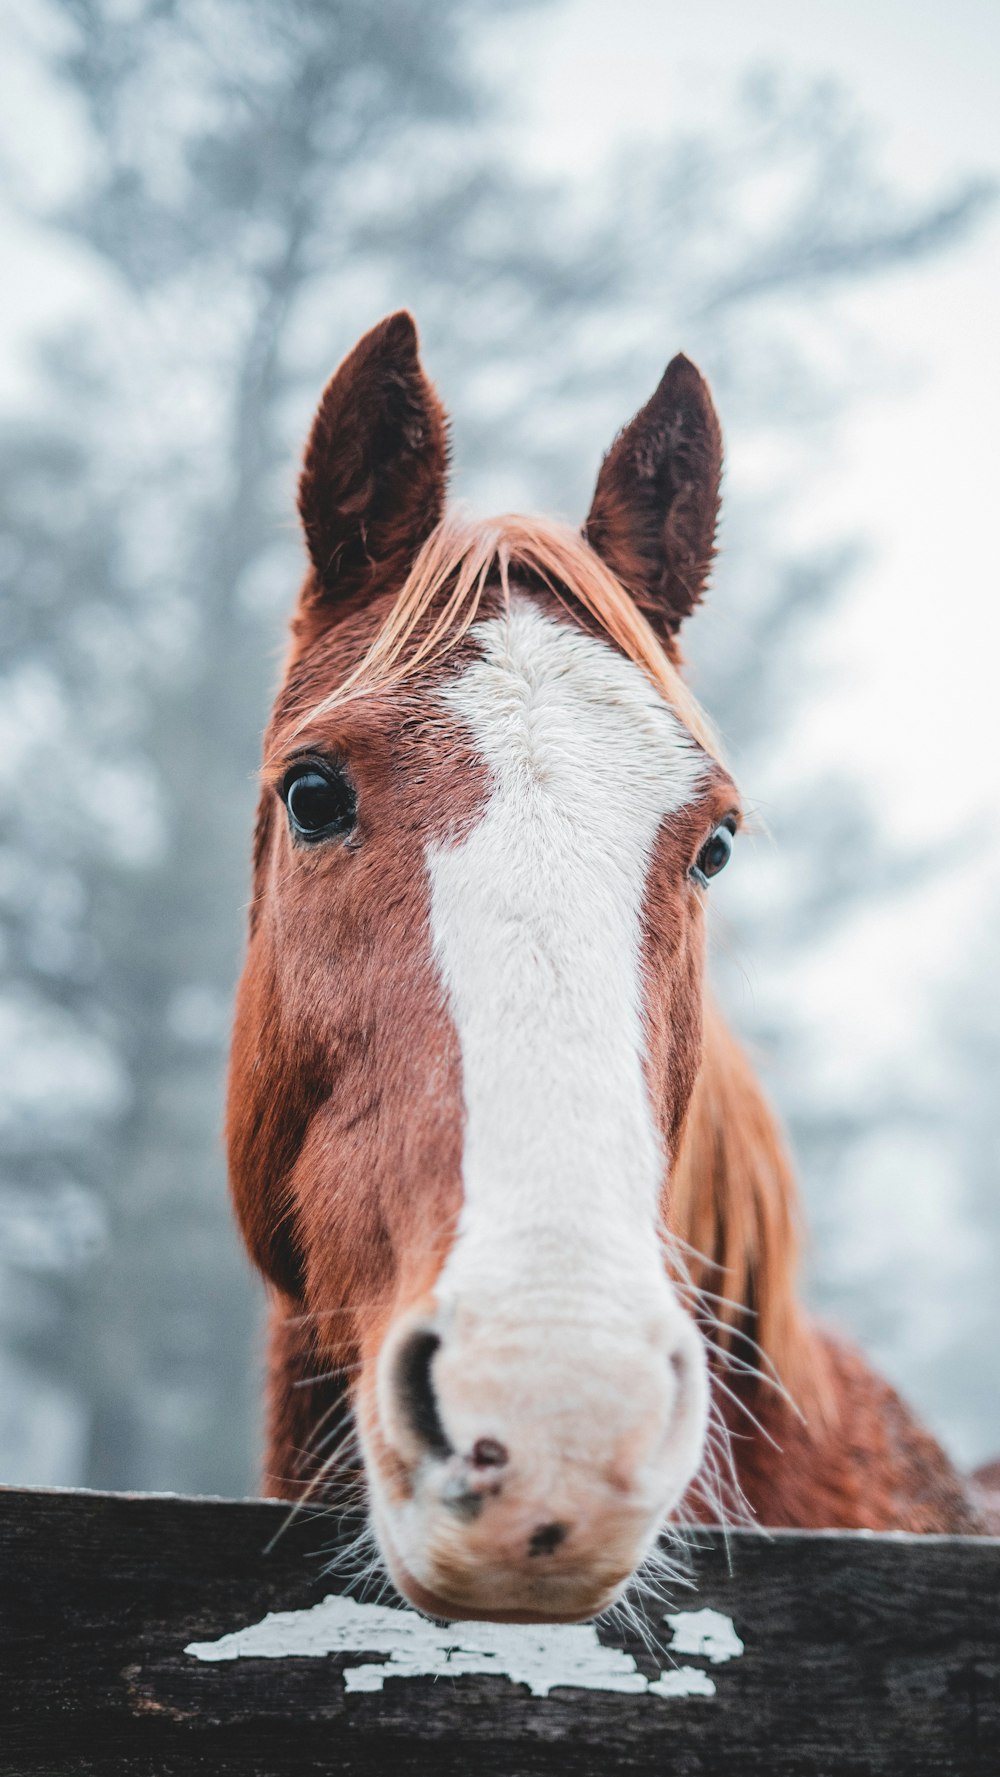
(529, 1468)
(414, 1411)
(411, 1406)
(413, 1401)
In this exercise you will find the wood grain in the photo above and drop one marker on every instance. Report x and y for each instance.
(863, 1654)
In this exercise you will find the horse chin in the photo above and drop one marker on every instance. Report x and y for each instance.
(437, 1603)
(443, 1608)
(436, 1574)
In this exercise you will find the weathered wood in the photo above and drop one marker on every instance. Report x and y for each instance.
(862, 1654)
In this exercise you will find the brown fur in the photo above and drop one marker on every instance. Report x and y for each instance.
(840, 1448)
(733, 1202)
(344, 1151)
(308, 1400)
(373, 476)
(656, 503)
(870, 1465)
(985, 1489)
(345, 1092)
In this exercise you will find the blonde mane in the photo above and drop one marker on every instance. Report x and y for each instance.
(733, 1208)
(444, 590)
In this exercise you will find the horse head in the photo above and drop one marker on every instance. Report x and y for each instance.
(470, 1020)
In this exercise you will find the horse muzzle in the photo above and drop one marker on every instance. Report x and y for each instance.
(521, 1466)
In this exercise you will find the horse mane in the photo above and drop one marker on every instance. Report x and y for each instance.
(732, 1198)
(441, 597)
(733, 1208)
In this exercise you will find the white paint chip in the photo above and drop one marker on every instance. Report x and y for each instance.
(540, 1657)
(705, 1632)
(682, 1681)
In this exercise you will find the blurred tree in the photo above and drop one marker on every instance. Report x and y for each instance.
(262, 180)
(63, 1081)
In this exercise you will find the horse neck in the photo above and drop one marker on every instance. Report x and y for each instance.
(734, 1202)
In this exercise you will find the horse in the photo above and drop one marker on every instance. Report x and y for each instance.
(520, 1200)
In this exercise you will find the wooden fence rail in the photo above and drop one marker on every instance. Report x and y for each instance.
(158, 1636)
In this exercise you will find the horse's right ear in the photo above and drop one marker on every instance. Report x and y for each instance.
(375, 470)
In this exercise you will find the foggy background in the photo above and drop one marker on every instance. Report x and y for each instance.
(204, 203)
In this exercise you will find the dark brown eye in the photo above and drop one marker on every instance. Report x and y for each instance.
(320, 800)
(715, 853)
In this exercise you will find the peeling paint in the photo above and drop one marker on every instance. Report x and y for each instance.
(682, 1681)
(541, 1657)
(704, 1632)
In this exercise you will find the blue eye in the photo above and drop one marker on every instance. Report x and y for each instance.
(715, 853)
(320, 800)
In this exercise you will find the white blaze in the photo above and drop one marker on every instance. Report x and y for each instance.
(536, 918)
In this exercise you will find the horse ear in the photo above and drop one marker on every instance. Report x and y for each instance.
(656, 503)
(373, 478)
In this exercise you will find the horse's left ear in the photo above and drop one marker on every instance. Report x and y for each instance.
(656, 503)
(375, 468)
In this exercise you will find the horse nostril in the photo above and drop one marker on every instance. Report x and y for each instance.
(546, 1539)
(488, 1453)
(415, 1389)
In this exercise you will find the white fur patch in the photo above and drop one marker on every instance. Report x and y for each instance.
(536, 921)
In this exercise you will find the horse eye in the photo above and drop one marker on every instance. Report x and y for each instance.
(715, 853)
(320, 800)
